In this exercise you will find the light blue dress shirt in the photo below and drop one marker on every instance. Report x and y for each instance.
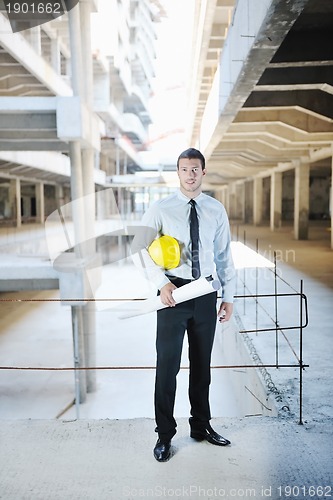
(170, 216)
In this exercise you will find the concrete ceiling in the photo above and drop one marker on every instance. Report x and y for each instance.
(282, 108)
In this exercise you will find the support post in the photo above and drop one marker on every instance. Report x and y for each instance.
(331, 200)
(301, 356)
(15, 201)
(55, 56)
(88, 165)
(59, 194)
(301, 205)
(40, 202)
(226, 200)
(276, 201)
(79, 235)
(257, 200)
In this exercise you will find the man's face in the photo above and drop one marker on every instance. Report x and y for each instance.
(190, 175)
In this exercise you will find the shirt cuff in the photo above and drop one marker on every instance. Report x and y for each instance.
(164, 282)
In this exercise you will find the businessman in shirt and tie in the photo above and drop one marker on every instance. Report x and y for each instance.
(201, 226)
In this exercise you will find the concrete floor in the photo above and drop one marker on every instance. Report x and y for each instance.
(108, 453)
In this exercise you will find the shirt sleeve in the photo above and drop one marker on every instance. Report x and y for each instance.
(223, 259)
(150, 228)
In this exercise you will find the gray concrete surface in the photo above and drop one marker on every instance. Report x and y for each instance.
(101, 457)
(112, 459)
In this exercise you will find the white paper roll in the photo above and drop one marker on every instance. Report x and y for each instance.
(190, 291)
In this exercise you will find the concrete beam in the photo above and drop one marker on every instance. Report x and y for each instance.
(313, 100)
(67, 115)
(18, 47)
(18, 285)
(299, 46)
(297, 75)
(253, 39)
(280, 131)
(293, 117)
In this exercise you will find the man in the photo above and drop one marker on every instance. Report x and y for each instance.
(201, 226)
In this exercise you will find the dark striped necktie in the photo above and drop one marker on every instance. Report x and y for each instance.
(194, 234)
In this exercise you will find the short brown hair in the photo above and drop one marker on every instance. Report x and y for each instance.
(192, 153)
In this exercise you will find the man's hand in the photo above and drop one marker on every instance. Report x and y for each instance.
(166, 295)
(225, 311)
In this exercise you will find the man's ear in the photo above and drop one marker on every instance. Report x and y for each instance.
(204, 172)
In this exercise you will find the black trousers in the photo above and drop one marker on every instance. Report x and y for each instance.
(198, 317)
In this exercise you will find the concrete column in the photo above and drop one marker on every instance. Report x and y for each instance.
(276, 200)
(302, 200)
(40, 202)
(55, 56)
(331, 201)
(81, 66)
(221, 193)
(241, 202)
(226, 200)
(88, 164)
(257, 200)
(15, 201)
(89, 195)
(218, 195)
(77, 196)
(100, 205)
(59, 193)
(125, 164)
(76, 50)
(232, 201)
(35, 39)
(79, 236)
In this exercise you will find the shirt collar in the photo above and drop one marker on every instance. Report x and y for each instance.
(185, 198)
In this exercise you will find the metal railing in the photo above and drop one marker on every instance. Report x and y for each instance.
(246, 296)
(303, 317)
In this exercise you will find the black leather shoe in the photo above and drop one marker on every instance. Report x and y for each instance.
(162, 451)
(209, 435)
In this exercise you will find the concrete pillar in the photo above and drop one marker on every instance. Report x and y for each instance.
(88, 164)
(15, 201)
(248, 202)
(257, 200)
(331, 200)
(79, 236)
(35, 39)
(100, 205)
(302, 200)
(220, 193)
(59, 193)
(241, 201)
(78, 212)
(40, 203)
(232, 201)
(125, 164)
(276, 200)
(226, 200)
(88, 187)
(55, 56)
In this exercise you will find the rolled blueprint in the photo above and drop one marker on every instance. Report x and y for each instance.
(191, 291)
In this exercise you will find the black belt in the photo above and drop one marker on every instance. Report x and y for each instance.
(186, 281)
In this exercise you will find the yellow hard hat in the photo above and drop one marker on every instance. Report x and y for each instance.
(165, 252)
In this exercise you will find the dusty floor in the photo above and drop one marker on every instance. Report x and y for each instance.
(110, 457)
